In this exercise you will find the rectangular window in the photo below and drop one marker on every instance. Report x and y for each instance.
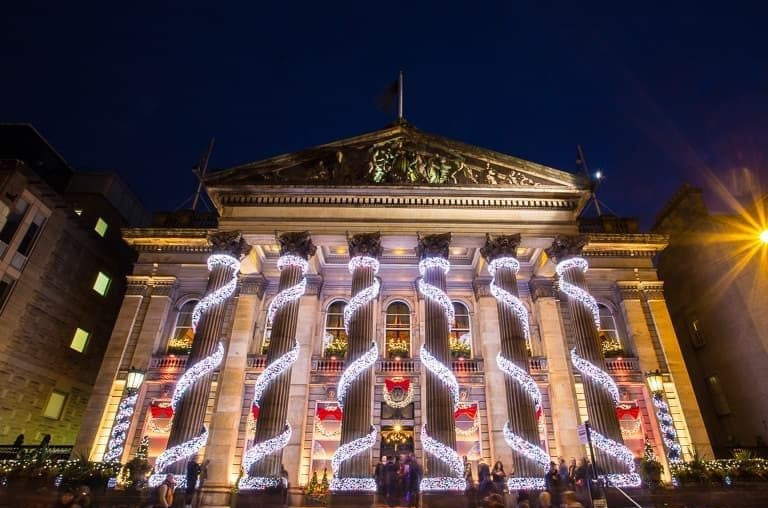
(718, 396)
(101, 227)
(697, 335)
(55, 405)
(102, 283)
(6, 285)
(80, 340)
(26, 244)
(12, 224)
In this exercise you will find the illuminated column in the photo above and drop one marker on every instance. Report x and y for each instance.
(523, 396)
(351, 463)
(262, 462)
(600, 390)
(445, 468)
(190, 397)
(125, 410)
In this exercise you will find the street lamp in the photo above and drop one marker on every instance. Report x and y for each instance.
(655, 382)
(117, 437)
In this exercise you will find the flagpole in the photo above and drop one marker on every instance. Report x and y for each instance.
(400, 96)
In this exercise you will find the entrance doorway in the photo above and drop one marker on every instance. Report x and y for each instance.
(396, 440)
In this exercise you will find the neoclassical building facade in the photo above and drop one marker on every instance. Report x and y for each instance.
(390, 293)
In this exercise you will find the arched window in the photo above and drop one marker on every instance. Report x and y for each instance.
(335, 336)
(609, 333)
(398, 330)
(461, 338)
(181, 339)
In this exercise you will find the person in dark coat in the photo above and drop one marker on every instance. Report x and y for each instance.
(484, 482)
(378, 475)
(193, 471)
(390, 480)
(499, 477)
(552, 483)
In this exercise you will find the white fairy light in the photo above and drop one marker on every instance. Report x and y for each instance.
(221, 294)
(346, 452)
(668, 432)
(398, 403)
(522, 377)
(327, 339)
(195, 372)
(574, 291)
(117, 437)
(354, 370)
(529, 451)
(505, 296)
(623, 455)
(465, 338)
(434, 293)
(449, 457)
(359, 301)
(175, 454)
(320, 429)
(443, 373)
(276, 443)
(596, 374)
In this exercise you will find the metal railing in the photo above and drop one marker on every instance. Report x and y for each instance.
(53, 452)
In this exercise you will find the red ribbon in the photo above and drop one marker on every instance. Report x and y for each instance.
(632, 410)
(538, 412)
(470, 411)
(255, 409)
(161, 410)
(327, 414)
(403, 384)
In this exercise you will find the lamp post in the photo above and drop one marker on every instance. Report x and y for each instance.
(655, 382)
(117, 437)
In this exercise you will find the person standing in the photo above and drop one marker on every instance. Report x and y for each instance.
(552, 483)
(378, 475)
(415, 481)
(499, 477)
(562, 470)
(484, 482)
(165, 492)
(193, 471)
(390, 480)
(572, 473)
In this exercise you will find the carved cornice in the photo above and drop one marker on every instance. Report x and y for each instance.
(500, 246)
(433, 246)
(298, 243)
(231, 243)
(365, 244)
(565, 246)
(481, 286)
(653, 290)
(542, 287)
(628, 290)
(253, 285)
(136, 288)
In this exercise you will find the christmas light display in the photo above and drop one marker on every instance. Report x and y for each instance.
(280, 365)
(529, 451)
(575, 291)
(623, 455)
(505, 296)
(596, 374)
(192, 374)
(434, 293)
(366, 295)
(175, 454)
(443, 373)
(221, 294)
(448, 456)
(328, 434)
(347, 451)
(522, 377)
(355, 368)
(668, 433)
(387, 395)
(465, 338)
(116, 443)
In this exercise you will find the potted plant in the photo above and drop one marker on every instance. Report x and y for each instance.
(460, 350)
(397, 349)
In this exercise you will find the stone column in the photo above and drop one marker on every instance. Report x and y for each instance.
(274, 403)
(189, 414)
(438, 403)
(521, 409)
(356, 419)
(600, 406)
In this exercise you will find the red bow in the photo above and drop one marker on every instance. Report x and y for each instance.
(326, 414)
(403, 384)
(255, 409)
(470, 411)
(161, 409)
(632, 410)
(538, 412)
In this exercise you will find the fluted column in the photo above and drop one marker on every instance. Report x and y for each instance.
(501, 254)
(440, 399)
(189, 413)
(601, 406)
(273, 404)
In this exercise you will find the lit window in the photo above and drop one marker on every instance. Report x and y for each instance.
(55, 405)
(102, 283)
(398, 330)
(335, 336)
(460, 342)
(609, 333)
(183, 335)
(101, 227)
(80, 340)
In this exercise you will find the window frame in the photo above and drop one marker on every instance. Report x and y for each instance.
(86, 342)
(456, 331)
(99, 221)
(409, 328)
(337, 332)
(99, 274)
(180, 312)
(64, 399)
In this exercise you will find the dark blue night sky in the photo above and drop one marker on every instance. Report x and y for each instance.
(656, 95)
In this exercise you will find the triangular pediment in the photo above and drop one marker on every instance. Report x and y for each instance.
(398, 156)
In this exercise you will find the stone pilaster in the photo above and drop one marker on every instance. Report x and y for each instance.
(438, 403)
(274, 402)
(190, 412)
(356, 419)
(521, 409)
(600, 406)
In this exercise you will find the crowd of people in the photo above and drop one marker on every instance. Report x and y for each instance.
(398, 478)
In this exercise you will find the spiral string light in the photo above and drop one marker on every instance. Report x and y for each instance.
(520, 445)
(348, 377)
(596, 374)
(221, 294)
(280, 365)
(668, 433)
(623, 455)
(435, 448)
(574, 291)
(117, 437)
(193, 446)
(346, 452)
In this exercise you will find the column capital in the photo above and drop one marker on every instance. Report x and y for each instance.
(542, 287)
(433, 246)
(481, 286)
(230, 243)
(365, 244)
(500, 246)
(566, 246)
(298, 243)
(628, 289)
